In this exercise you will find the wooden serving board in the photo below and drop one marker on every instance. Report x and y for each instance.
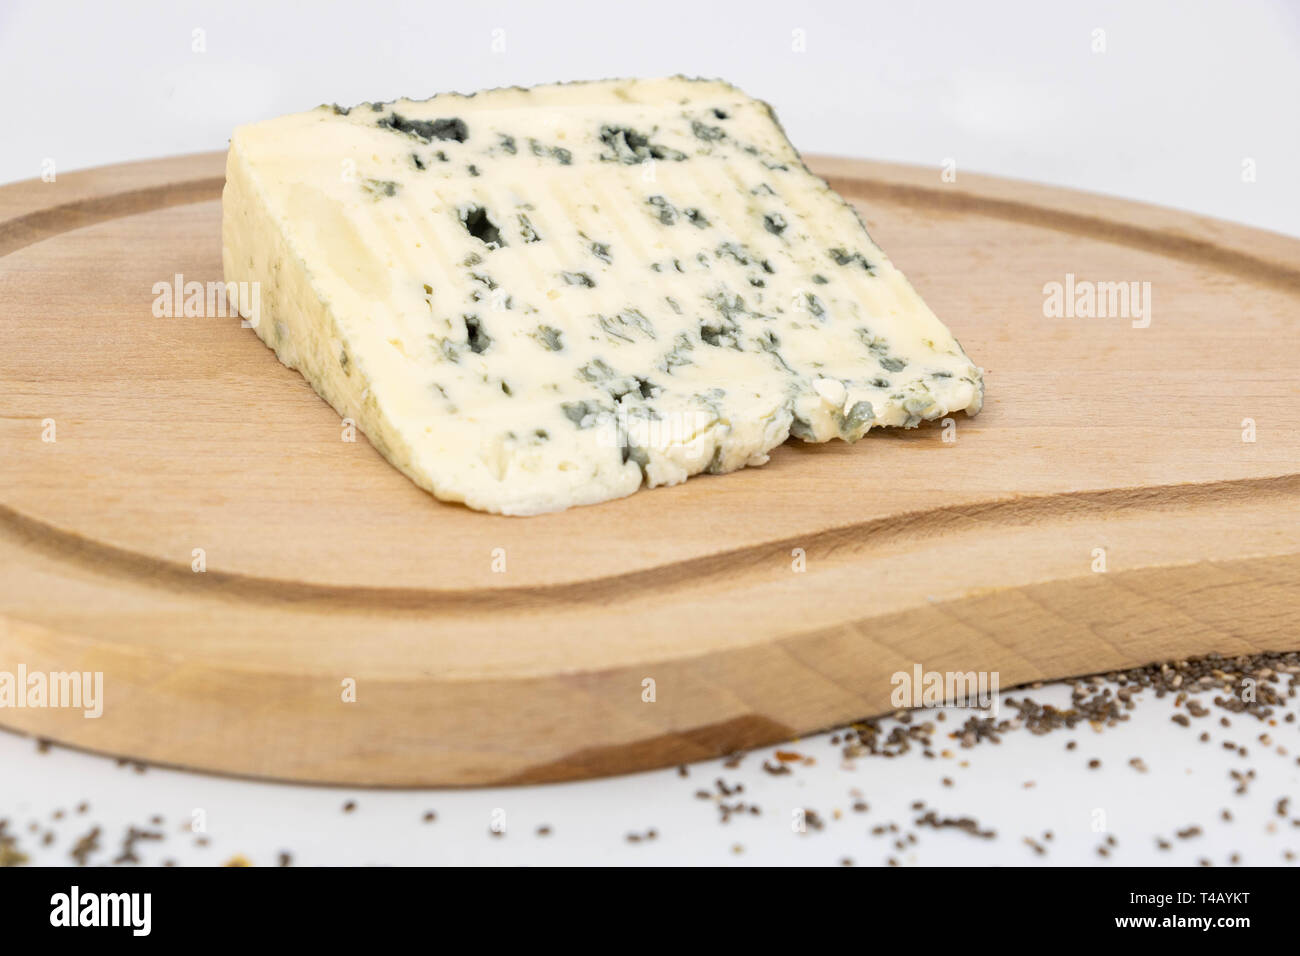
(326, 566)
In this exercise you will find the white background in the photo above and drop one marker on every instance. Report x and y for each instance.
(1182, 96)
(1184, 92)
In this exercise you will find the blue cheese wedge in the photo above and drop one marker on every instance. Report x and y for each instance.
(530, 299)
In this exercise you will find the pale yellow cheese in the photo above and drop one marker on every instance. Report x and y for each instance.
(532, 299)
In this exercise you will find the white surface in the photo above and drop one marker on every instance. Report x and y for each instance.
(1184, 92)
(1183, 95)
(1187, 783)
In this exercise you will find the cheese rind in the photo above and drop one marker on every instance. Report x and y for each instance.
(532, 299)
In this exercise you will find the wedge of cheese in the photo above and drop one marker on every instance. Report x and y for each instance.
(530, 299)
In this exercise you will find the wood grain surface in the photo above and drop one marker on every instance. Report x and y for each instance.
(1100, 441)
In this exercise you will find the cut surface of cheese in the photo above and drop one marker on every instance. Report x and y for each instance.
(529, 299)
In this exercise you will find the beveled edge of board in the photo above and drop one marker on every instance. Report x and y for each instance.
(359, 762)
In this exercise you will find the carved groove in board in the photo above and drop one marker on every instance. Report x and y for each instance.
(34, 227)
(102, 558)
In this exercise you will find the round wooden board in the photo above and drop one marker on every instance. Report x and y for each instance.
(325, 566)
